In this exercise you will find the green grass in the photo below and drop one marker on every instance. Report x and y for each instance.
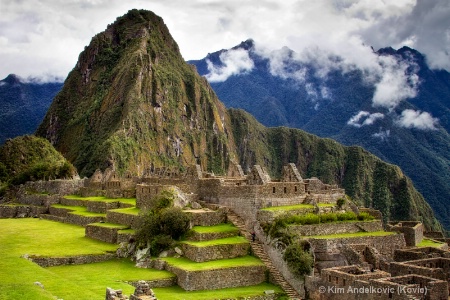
(111, 225)
(102, 198)
(350, 235)
(127, 231)
(130, 211)
(189, 265)
(221, 228)
(297, 206)
(224, 241)
(42, 238)
(79, 210)
(429, 243)
(177, 293)
(111, 273)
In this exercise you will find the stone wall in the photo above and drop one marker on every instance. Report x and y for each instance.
(101, 233)
(124, 219)
(201, 217)
(82, 220)
(336, 228)
(202, 254)
(208, 279)
(46, 262)
(38, 199)
(413, 231)
(401, 255)
(21, 211)
(438, 268)
(197, 236)
(385, 245)
(54, 187)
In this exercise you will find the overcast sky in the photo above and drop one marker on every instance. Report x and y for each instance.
(42, 38)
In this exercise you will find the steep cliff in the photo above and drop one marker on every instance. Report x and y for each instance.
(132, 102)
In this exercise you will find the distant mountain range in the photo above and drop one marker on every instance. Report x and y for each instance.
(23, 105)
(410, 128)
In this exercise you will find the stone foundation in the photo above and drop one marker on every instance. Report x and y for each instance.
(202, 217)
(202, 254)
(124, 219)
(83, 220)
(198, 237)
(46, 262)
(21, 211)
(101, 233)
(219, 278)
(336, 228)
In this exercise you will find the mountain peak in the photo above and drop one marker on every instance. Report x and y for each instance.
(246, 45)
(12, 79)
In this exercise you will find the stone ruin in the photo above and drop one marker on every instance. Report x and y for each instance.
(142, 292)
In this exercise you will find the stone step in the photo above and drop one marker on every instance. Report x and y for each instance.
(98, 204)
(206, 217)
(259, 252)
(124, 216)
(205, 233)
(192, 276)
(53, 218)
(225, 248)
(77, 215)
(106, 232)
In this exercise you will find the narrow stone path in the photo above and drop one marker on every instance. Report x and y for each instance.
(259, 251)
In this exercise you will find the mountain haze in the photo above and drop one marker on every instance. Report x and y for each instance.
(399, 110)
(23, 105)
(132, 102)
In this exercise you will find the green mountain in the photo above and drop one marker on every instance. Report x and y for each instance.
(27, 158)
(133, 103)
(23, 105)
(340, 106)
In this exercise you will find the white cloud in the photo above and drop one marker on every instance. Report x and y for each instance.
(395, 85)
(416, 119)
(364, 118)
(45, 36)
(233, 62)
(382, 134)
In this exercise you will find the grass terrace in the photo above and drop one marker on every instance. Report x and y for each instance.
(131, 201)
(297, 207)
(189, 265)
(130, 211)
(430, 243)
(224, 241)
(352, 235)
(177, 293)
(111, 225)
(221, 228)
(79, 210)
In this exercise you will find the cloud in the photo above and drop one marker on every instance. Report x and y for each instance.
(233, 62)
(382, 134)
(396, 83)
(364, 118)
(46, 36)
(416, 119)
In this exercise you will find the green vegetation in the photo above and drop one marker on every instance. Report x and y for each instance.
(351, 235)
(79, 210)
(429, 243)
(221, 228)
(44, 238)
(224, 241)
(177, 293)
(162, 225)
(111, 225)
(189, 265)
(365, 178)
(299, 259)
(131, 210)
(131, 201)
(28, 158)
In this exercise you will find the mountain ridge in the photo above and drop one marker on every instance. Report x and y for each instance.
(326, 105)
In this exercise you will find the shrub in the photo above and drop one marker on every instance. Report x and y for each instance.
(173, 222)
(163, 200)
(309, 219)
(347, 216)
(364, 216)
(300, 262)
(328, 217)
(340, 202)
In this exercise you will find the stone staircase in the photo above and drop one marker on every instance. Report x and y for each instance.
(259, 251)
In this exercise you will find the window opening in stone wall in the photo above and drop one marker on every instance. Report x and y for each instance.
(285, 190)
(273, 190)
(295, 189)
